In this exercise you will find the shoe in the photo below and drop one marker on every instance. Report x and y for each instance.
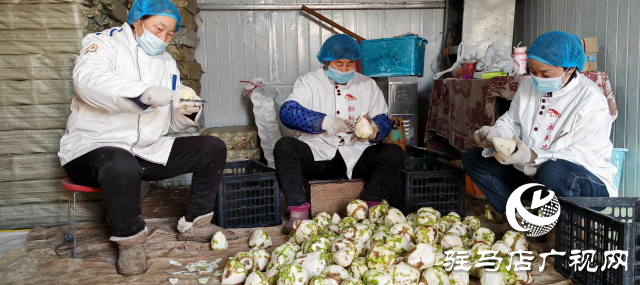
(201, 229)
(298, 213)
(132, 256)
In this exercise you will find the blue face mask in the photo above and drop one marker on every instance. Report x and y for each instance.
(340, 77)
(149, 43)
(548, 85)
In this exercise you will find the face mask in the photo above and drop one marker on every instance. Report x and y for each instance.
(548, 85)
(149, 43)
(340, 77)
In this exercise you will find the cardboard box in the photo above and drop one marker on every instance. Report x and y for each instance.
(331, 196)
(591, 49)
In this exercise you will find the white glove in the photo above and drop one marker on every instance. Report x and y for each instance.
(374, 128)
(188, 108)
(335, 125)
(524, 155)
(491, 133)
(158, 96)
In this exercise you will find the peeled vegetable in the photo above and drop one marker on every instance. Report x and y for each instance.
(434, 276)
(394, 216)
(422, 256)
(377, 212)
(377, 277)
(425, 234)
(260, 259)
(352, 281)
(504, 145)
(431, 210)
(335, 219)
(246, 259)
(380, 257)
(322, 220)
(322, 280)
(450, 240)
(484, 235)
(314, 263)
(459, 277)
(293, 274)
(359, 231)
(363, 129)
(491, 277)
(186, 92)
(219, 241)
(357, 209)
(257, 278)
(336, 273)
(260, 239)
(316, 243)
(398, 244)
(403, 274)
(234, 272)
(472, 223)
(502, 248)
(402, 229)
(358, 267)
(305, 230)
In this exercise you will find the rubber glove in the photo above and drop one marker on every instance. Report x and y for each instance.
(523, 157)
(491, 133)
(188, 108)
(158, 96)
(335, 125)
(374, 128)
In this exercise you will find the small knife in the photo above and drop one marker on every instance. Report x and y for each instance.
(193, 100)
(483, 138)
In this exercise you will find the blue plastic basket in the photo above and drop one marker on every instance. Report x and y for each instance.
(393, 56)
(617, 158)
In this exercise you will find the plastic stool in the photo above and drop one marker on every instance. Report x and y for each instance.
(69, 185)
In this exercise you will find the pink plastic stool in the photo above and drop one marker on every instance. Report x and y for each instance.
(69, 185)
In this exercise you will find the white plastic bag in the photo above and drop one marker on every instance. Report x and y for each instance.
(496, 58)
(264, 111)
(457, 63)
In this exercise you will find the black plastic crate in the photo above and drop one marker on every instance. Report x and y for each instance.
(249, 196)
(427, 182)
(584, 228)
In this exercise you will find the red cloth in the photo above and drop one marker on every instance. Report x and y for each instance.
(459, 107)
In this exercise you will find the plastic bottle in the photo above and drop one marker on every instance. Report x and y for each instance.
(520, 59)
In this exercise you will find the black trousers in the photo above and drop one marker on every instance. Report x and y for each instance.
(378, 166)
(118, 173)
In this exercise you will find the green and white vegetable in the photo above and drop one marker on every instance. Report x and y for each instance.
(316, 243)
(304, 230)
(377, 214)
(403, 274)
(459, 277)
(434, 276)
(358, 267)
(425, 234)
(422, 256)
(293, 274)
(246, 259)
(358, 210)
(314, 263)
(450, 240)
(472, 223)
(380, 257)
(234, 273)
(352, 281)
(402, 229)
(219, 241)
(257, 278)
(336, 273)
(260, 239)
(322, 280)
(377, 277)
(394, 216)
(322, 220)
(484, 235)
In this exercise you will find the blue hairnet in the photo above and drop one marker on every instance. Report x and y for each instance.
(339, 47)
(558, 49)
(141, 8)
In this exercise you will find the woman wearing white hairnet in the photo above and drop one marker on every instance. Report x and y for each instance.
(323, 109)
(115, 137)
(561, 123)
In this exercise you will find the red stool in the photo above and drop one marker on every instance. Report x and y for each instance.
(69, 185)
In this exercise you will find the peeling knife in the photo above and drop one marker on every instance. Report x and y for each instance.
(483, 138)
(193, 100)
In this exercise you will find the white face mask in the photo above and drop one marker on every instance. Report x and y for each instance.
(150, 43)
(548, 85)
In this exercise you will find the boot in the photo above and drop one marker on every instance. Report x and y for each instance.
(201, 229)
(298, 213)
(132, 257)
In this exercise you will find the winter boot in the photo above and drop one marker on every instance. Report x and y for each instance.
(201, 229)
(132, 257)
(298, 213)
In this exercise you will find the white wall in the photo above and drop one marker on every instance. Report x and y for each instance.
(280, 46)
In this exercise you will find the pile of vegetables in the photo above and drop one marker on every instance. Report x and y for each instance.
(376, 246)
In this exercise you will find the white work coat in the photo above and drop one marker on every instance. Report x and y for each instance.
(573, 124)
(111, 68)
(359, 97)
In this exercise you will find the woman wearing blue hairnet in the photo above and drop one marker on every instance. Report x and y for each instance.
(115, 137)
(561, 124)
(322, 110)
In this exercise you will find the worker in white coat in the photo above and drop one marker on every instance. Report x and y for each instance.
(561, 124)
(323, 110)
(124, 105)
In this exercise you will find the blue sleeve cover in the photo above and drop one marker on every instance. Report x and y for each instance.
(139, 103)
(384, 127)
(299, 118)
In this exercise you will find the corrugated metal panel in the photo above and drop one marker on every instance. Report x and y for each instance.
(280, 46)
(617, 27)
